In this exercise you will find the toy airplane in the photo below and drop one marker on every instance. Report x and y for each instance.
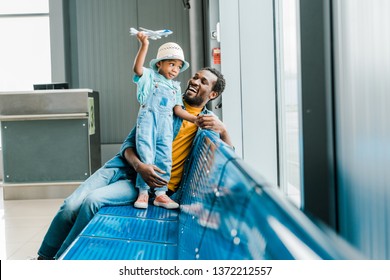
(154, 35)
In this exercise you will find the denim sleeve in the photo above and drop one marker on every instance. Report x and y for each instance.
(144, 84)
(129, 142)
(178, 97)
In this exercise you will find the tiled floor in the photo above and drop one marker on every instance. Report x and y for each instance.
(23, 224)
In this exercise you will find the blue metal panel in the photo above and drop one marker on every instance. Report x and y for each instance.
(233, 193)
(152, 212)
(91, 248)
(129, 228)
(268, 226)
(192, 204)
(127, 233)
(199, 193)
(230, 212)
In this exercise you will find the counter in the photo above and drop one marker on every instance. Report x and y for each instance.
(50, 141)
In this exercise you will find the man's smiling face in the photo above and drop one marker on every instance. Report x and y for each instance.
(200, 89)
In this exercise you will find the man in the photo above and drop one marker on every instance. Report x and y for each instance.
(113, 184)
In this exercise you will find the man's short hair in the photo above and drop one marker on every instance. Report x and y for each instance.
(220, 84)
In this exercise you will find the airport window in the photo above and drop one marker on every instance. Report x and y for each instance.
(288, 92)
(14, 7)
(25, 44)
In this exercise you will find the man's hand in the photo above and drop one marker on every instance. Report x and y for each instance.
(210, 122)
(148, 173)
(213, 123)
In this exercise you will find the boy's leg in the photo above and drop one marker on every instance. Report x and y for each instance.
(63, 221)
(163, 150)
(143, 193)
(164, 161)
(121, 192)
(143, 188)
(145, 142)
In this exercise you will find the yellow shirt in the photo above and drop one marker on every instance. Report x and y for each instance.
(181, 148)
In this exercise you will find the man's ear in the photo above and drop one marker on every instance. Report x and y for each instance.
(213, 95)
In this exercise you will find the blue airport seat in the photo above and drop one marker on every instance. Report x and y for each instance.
(88, 248)
(227, 212)
(151, 213)
(124, 232)
(202, 184)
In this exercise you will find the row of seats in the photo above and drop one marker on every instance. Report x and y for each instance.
(227, 212)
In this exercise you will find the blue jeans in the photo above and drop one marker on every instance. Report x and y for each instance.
(107, 186)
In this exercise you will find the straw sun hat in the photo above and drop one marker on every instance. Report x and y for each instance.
(169, 51)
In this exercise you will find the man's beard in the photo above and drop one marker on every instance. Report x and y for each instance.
(196, 101)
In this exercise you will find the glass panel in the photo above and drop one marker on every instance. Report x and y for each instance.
(288, 98)
(23, 6)
(24, 52)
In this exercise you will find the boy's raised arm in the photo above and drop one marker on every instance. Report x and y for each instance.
(142, 51)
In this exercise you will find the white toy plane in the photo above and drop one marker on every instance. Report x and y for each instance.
(154, 35)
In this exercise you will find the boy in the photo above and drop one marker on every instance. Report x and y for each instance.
(159, 96)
